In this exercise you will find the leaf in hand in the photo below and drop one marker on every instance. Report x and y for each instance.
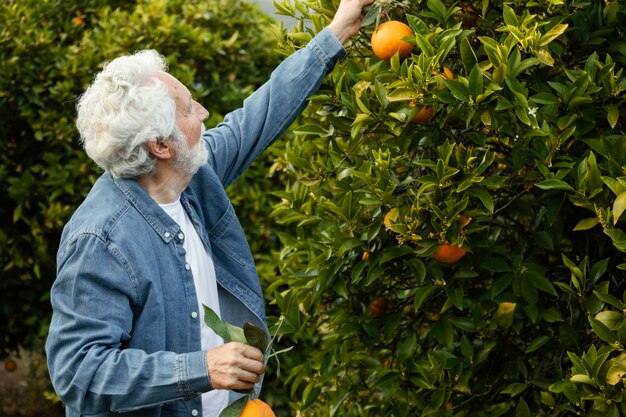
(214, 322)
(255, 336)
(235, 409)
(226, 331)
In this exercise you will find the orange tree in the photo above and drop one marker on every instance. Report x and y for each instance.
(521, 166)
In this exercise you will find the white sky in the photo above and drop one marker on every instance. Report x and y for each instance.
(268, 7)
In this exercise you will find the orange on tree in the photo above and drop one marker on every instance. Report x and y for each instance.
(387, 40)
(257, 408)
(449, 254)
(424, 115)
(10, 365)
(379, 305)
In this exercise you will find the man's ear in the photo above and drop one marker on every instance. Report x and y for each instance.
(160, 149)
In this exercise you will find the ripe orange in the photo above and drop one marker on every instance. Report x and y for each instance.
(387, 40)
(379, 305)
(449, 254)
(10, 365)
(424, 115)
(257, 408)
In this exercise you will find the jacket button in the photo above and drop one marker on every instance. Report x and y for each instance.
(187, 267)
(181, 236)
(194, 315)
(167, 234)
(194, 412)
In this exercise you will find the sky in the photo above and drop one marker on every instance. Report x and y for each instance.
(268, 7)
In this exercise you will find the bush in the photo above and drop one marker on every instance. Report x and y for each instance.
(521, 165)
(50, 52)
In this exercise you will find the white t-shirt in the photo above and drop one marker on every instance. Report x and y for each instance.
(199, 258)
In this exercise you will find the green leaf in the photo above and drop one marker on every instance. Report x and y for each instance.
(552, 34)
(514, 389)
(602, 331)
(468, 56)
(421, 294)
(581, 378)
(458, 90)
(476, 81)
(609, 299)
(554, 184)
(226, 331)
(619, 205)
(236, 408)
(509, 16)
(541, 282)
(611, 319)
(484, 197)
(536, 343)
(216, 324)
(255, 336)
(438, 8)
(424, 45)
(586, 224)
(612, 114)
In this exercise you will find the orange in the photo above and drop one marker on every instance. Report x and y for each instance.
(257, 408)
(449, 254)
(424, 115)
(387, 40)
(379, 306)
(10, 365)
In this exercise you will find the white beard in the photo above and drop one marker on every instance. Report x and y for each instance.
(190, 160)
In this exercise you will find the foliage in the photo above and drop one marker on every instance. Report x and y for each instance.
(50, 51)
(522, 165)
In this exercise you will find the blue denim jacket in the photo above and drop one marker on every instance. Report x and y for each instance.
(125, 331)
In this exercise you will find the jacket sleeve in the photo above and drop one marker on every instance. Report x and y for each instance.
(248, 131)
(93, 308)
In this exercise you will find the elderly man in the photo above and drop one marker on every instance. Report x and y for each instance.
(157, 238)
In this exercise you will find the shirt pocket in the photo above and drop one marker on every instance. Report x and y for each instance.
(228, 236)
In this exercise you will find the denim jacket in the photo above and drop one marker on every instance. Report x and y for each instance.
(125, 331)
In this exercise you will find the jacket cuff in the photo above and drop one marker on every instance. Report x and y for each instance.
(328, 48)
(192, 373)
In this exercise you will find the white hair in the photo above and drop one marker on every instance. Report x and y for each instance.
(123, 109)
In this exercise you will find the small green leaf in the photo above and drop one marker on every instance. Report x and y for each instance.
(554, 184)
(468, 56)
(476, 81)
(255, 336)
(537, 343)
(514, 389)
(552, 34)
(236, 408)
(216, 324)
(602, 331)
(619, 205)
(586, 224)
(612, 114)
(581, 378)
(458, 90)
(421, 294)
(509, 16)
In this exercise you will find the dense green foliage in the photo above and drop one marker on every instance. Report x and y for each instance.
(523, 165)
(49, 52)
